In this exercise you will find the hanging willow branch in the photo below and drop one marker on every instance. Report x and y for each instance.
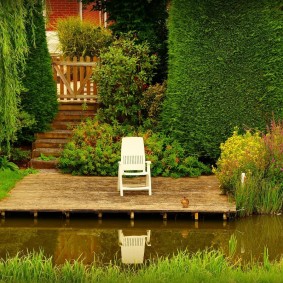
(13, 51)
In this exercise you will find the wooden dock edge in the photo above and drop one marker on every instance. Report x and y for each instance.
(226, 215)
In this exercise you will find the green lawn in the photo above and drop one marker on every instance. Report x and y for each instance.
(8, 179)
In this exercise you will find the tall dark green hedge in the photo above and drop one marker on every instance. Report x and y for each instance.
(225, 70)
(39, 98)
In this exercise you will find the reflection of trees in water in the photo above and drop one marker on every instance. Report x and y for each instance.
(168, 242)
(13, 240)
(108, 245)
(256, 232)
(87, 244)
(253, 234)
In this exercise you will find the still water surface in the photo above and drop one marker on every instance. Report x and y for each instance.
(115, 239)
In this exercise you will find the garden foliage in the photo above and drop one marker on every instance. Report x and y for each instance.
(240, 153)
(147, 19)
(95, 150)
(82, 38)
(225, 70)
(260, 156)
(125, 71)
(13, 51)
(39, 97)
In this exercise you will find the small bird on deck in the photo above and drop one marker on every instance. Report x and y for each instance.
(185, 202)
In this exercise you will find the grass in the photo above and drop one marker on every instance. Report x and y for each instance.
(258, 195)
(205, 266)
(8, 179)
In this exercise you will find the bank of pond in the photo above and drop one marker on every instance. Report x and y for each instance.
(202, 266)
(84, 249)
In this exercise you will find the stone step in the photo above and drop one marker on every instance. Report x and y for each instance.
(50, 143)
(42, 164)
(55, 134)
(46, 152)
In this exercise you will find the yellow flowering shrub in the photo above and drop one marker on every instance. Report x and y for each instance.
(240, 153)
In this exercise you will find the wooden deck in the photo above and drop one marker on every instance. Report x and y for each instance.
(55, 192)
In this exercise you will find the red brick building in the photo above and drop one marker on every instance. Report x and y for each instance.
(58, 9)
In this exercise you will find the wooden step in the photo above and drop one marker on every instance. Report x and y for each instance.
(46, 151)
(55, 134)
(50, 143)
(64, 125)
(78, 107)
(42, 164)
(73, 115)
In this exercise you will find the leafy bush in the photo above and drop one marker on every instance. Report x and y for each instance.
(240, 153)
(6, 164)
(95, 150)
(147, 19)
(125, 71)
(82, 38)
(260, 157)
(151, 104)
(273, 141)
(19, 155)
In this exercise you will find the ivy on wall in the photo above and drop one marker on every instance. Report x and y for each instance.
(225, 70)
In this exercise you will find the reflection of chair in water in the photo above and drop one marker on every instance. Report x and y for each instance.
(132, 247)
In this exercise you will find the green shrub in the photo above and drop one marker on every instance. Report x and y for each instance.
(125, 71)
(151, 104)
(147, 19)
(273, 141)
(39, 99)
(82, 38)
(95, 150)
(260, 157)
(240, 153)
(6, 164)
(225, 70)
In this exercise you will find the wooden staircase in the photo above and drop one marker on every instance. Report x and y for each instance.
(47, 147)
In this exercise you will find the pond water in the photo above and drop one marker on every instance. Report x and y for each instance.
(121, 239)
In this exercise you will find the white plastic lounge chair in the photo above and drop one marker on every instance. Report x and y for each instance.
(133, 247)
(133, 164)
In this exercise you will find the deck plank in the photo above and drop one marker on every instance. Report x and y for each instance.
(60, 192)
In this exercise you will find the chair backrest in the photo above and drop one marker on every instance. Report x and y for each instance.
(132, 153)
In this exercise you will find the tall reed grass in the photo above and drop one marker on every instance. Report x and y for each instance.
(257, 195)
(205, 266)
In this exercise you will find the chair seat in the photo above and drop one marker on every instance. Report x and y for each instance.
(133, 164)
(135, 173)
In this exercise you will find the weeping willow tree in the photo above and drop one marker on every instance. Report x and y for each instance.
(13, 51)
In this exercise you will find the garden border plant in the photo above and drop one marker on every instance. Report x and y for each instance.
(259, 156)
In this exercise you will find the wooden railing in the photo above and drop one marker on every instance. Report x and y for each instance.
(73, 77)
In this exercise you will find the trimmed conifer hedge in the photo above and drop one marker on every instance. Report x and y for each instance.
(39, 98)
(225, 70)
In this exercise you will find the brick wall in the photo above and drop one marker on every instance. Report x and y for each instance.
(58, 9)
(93, 16)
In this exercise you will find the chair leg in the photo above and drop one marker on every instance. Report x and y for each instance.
(121, 185)
(148, 184)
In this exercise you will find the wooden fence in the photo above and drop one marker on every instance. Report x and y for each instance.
(73, 77)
